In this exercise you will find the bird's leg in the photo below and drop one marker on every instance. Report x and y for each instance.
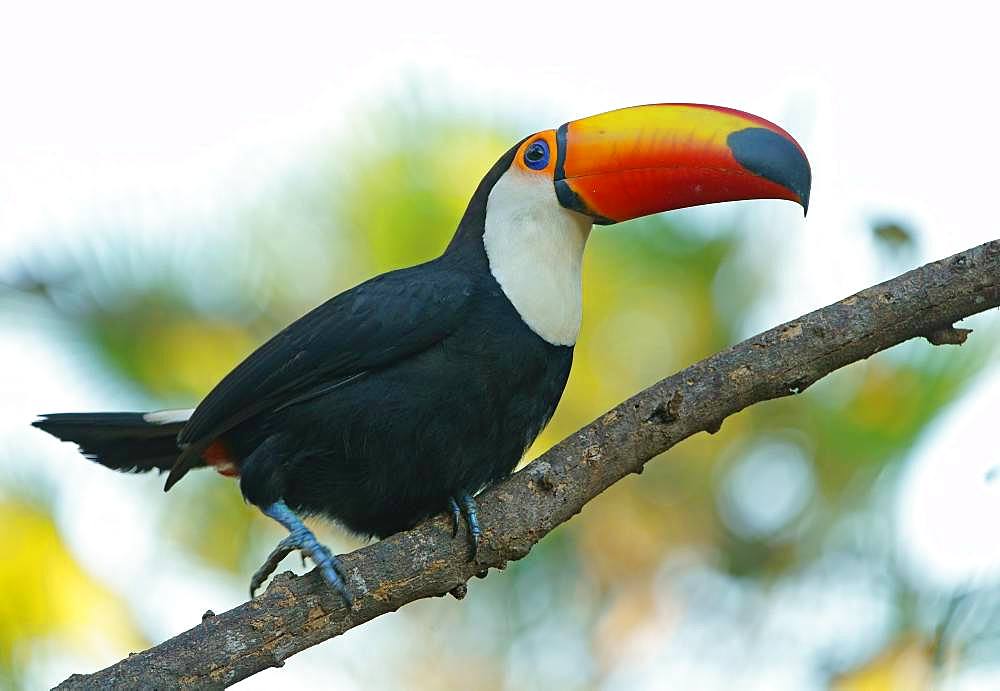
(471, 511)
(302, 539)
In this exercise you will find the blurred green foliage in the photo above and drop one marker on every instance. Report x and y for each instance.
(658, 296)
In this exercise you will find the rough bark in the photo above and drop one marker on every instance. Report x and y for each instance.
(298, 612)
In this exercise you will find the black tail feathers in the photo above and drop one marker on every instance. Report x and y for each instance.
(121, 441)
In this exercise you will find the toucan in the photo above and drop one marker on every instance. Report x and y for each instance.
(408, 394)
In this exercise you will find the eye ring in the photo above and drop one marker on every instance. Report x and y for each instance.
(536, 156)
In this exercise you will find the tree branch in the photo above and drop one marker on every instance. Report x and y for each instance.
(298, 612)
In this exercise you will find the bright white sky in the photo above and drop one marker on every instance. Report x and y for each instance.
(185, 107)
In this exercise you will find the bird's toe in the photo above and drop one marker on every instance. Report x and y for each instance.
(471, 511)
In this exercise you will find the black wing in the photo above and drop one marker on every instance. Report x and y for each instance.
(381, 321)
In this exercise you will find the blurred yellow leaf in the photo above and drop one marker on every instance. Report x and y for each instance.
(904, 667)
(46, 594)
(173, 355)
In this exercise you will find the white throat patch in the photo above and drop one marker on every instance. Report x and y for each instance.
(535, 249)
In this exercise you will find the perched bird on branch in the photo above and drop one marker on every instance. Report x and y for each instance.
(409, 393)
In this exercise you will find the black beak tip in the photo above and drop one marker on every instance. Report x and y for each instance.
(774, 157)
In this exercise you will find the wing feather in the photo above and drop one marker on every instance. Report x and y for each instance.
(373, 325)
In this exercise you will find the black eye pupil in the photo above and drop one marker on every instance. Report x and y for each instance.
(535, 153)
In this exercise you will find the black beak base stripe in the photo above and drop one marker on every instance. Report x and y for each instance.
(566, 195)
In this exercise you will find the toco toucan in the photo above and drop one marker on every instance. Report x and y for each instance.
(409, 393)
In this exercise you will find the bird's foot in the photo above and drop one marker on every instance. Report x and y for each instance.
(456, 516)
(466, 504)
(302, 539)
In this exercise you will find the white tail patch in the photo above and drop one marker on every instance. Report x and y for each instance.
(168, 417)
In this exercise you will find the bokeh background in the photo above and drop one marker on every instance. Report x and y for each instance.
(179, 181)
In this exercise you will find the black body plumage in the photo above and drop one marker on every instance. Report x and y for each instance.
(378, 406)
(389, 446)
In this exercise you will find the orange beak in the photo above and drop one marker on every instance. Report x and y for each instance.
(643, 160)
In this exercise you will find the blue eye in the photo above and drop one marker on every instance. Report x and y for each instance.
(536, 156)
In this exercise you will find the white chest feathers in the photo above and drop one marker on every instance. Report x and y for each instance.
(535, 249)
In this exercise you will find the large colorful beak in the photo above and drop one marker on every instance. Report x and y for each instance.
(643, 160)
